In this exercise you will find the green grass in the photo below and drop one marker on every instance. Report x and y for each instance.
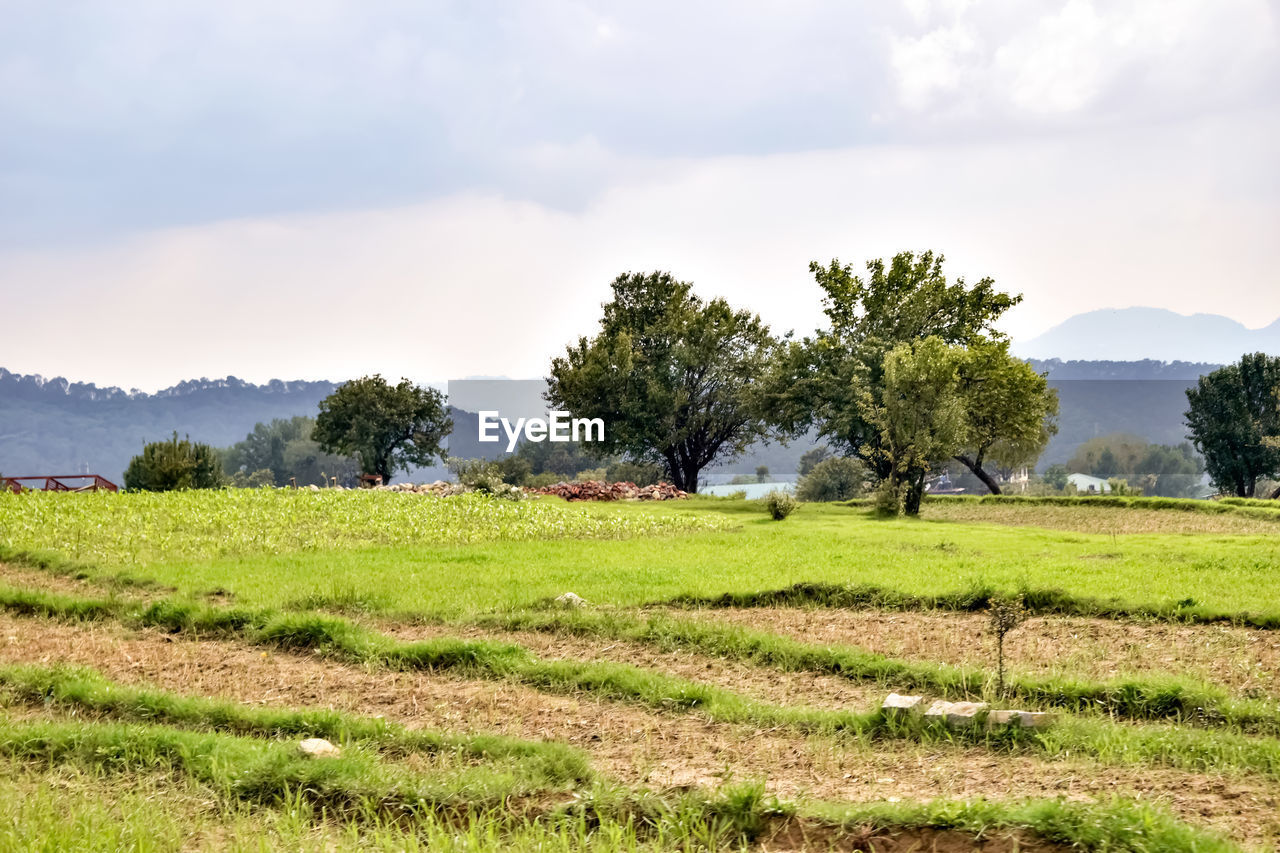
(88, 692)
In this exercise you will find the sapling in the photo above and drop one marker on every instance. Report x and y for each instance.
(1004, 615)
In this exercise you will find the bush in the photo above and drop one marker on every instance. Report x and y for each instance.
(640, 473)
(165, 466)
(780, 505)
(837, 478)
(481, 475)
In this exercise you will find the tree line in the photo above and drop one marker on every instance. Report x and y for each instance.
(909, 374)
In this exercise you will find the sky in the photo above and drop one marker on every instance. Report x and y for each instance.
(438, 190)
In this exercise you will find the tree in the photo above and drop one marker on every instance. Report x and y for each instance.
(1055, 476)
(1230, 413)
(389, 427)
(824, 380)
(1171, 471)
(762, 473)
(811, 458)
(1010, 410)
(671, 376)
(920, 415)
(285, 448)
(836, 478)
(165, 466)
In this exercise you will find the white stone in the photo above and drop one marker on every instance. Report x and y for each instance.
(956, 715)
(898, 707)
(570, 599)
(1021, 719)
(318, 747)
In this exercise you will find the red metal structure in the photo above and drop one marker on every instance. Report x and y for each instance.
(57, 483)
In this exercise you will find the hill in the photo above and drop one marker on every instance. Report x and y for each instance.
(1126, 334)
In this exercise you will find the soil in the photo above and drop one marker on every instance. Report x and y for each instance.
(637, 746)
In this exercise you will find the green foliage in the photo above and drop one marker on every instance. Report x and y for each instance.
(671, 376)
(165, 466)
(780, 504)
(482, 475)
(1150, 469)
(1055, 476)
(811, 458)
(1010, 411)
(1231, 412)
(835, 478)
(285, 449)
(564, 459)
(390, 427)
(640, 473)
(762, 473)
(921, 418)
(835, 380)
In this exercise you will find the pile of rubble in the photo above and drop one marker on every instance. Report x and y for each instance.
(962, 715)
(439, 488)
(599, 490)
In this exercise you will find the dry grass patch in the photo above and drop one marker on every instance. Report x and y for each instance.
(1107, 520)
(635, 746)
(1244, 660)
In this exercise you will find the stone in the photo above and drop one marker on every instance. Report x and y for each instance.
(570, 599)
(318, 747)
(1021, 719)
(956, 715)
(900, 707)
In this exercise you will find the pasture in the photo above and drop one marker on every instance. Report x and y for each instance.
(162, 655)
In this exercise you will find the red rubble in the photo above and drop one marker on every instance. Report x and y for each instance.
(598, 490)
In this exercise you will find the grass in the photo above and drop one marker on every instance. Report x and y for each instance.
(86, 692)
(342, 639)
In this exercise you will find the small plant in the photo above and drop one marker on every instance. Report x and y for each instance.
(1004, 615)
(780, 504)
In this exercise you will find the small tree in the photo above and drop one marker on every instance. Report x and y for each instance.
(762, 473)
(1003, 616)
(812, 458)
(1055, 476)
(165, 466)
(839, 478)
(390, 427)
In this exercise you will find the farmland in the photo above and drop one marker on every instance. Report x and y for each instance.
(720, 688)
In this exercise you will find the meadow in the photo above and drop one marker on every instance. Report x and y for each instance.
(720, 688)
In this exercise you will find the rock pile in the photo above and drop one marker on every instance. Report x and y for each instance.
(598, 490)
(439, 488)
(960, 715)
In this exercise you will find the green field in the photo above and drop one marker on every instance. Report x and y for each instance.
(146, 632)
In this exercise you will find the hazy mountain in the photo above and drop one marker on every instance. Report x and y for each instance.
(1130, 334)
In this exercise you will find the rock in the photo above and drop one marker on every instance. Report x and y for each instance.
(1021, 719)
(956, 715)
(569, 599)
(313, 487)
(318, 747)
(898, 707)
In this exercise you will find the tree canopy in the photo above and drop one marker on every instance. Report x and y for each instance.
(1171, 471)
(1231, 413)
(165, 466)
(286, 449)
(389, 427)
(835, 379)
(671, 376)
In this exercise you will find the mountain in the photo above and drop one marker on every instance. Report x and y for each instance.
(1130, 334)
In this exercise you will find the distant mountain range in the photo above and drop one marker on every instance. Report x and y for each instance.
(1130, 334)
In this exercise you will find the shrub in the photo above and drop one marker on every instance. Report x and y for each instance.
(482, 475)
(640, 473)
(837, 478)
(780, 504)
(165, 466)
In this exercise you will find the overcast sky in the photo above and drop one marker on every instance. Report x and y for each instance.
(324, 189)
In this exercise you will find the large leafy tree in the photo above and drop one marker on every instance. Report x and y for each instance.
(821, 379)
(1232, 412)
(1010, 411)
(165, 466)
(286, 449)
(389, 427)
(671, 376)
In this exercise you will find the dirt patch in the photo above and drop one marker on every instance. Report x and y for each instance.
(1118, 521)
(801, 836)
(633, 745)
(781, 688)
(28, 578)
(1241, 659)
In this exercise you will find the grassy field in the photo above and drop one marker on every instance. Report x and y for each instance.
(721, 689)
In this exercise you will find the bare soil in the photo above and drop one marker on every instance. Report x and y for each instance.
(637, 746)
(1241, 659)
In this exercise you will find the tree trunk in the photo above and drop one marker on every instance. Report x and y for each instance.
(690, 478)
(913, 494)
(1275, 496)
(981, 473)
